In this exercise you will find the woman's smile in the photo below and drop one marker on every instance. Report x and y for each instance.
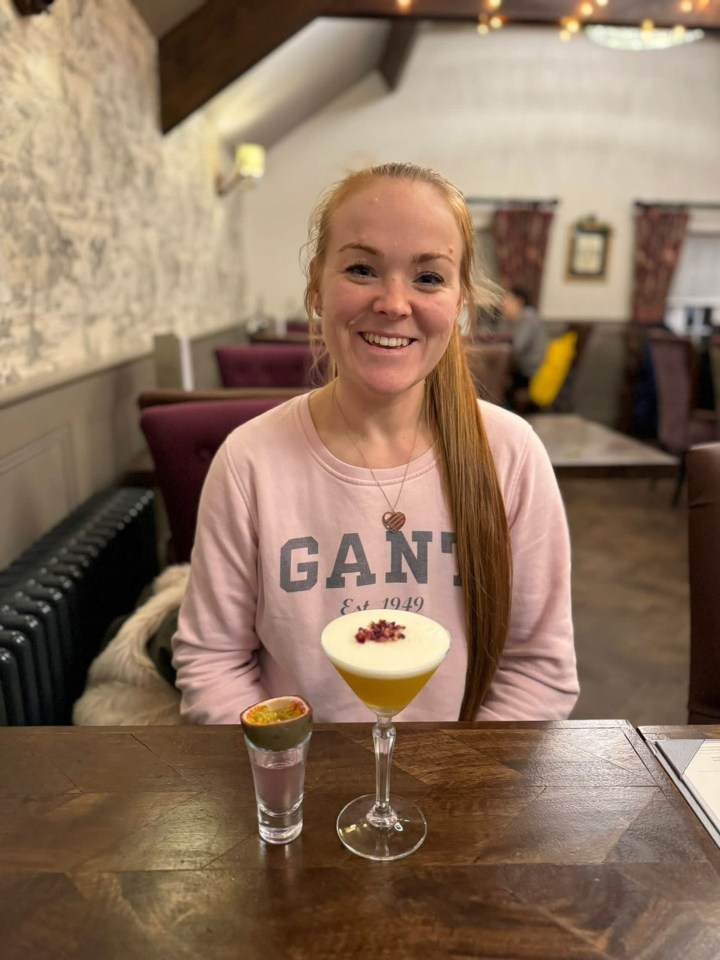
(387, 342)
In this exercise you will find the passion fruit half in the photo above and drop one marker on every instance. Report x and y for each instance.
(278, 723)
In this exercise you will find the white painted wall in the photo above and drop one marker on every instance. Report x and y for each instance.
(517, 113)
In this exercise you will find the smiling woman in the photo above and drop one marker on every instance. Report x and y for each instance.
(399, 490)
(389, 292)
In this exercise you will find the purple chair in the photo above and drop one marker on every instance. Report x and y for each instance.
(183, 438)
(703, 474)
(265, 365)
(680, 424)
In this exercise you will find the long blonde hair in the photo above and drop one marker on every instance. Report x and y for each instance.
(463, 451)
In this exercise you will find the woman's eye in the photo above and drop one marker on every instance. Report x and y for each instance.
(359, 270)
(431, 279)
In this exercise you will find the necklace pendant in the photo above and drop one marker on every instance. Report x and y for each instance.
(393, 520)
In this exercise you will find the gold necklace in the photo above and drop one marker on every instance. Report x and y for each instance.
(392, 519)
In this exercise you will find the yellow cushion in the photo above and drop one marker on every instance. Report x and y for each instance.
(545, 385)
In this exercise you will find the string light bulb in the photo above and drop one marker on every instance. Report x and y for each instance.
(496, 22)
(565, 35)
(482, 28)
(586, 9)
(686, 6)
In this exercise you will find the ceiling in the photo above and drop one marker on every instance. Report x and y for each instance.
(280, 62)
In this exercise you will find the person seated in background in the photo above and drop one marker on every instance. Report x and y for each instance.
(529, 343)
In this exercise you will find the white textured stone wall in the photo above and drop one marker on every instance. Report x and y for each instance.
(109, 231)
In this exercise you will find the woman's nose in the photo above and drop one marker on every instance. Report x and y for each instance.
(393, 298)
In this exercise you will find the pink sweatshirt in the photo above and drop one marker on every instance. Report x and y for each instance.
(289, 537)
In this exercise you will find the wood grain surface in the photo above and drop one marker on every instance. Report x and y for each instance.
(579, 447)
(545, 841)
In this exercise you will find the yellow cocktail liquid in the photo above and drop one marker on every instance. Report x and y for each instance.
(385, 695)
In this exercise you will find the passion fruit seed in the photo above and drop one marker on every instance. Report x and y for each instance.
(264, 714)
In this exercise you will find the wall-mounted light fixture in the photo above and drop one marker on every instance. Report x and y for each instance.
(249, 166)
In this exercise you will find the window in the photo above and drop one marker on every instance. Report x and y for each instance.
(694, 298)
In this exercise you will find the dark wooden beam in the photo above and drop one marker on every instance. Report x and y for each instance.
(217, 43)
(223, 38)
(397, 51)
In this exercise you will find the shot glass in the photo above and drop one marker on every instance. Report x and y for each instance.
(277, 735)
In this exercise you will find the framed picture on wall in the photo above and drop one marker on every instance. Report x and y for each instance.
(588, 250)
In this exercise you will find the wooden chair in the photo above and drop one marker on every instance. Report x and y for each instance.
(680, 424)
(162, 395)
(490, 365)
(183, 438)
(703, 477)
(713, 347)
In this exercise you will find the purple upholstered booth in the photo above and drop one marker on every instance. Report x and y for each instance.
(265, 365)
(183, 438)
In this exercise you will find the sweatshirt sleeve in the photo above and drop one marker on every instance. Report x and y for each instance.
(536, 678)
(215, 649)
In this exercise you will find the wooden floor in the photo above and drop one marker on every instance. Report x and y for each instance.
(630, 599)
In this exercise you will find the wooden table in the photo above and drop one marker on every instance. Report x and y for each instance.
(546, 841)
(583, 448)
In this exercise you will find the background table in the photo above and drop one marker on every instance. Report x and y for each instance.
(583, 448)
(545, 841)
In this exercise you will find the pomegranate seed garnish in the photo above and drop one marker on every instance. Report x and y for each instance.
(381, 632)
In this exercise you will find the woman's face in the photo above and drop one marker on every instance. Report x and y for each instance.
(389, 291)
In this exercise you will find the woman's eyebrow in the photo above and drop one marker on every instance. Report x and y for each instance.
(356, 245)
(373, 252)
(425, 257)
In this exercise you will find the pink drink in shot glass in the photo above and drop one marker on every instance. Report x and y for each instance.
(277, 735)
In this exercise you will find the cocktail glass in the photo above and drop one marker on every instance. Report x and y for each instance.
(386, 657)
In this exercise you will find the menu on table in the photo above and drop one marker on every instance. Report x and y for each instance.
(694, 765)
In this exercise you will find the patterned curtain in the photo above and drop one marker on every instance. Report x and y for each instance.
(659, 236)
(521, 236)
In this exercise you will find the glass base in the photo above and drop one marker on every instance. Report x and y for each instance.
(280, 827)
(388, 838)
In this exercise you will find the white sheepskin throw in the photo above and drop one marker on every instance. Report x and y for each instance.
(123, 687)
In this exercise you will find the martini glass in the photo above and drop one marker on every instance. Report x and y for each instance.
(386, 657)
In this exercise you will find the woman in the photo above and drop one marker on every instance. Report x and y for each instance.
(303, 514)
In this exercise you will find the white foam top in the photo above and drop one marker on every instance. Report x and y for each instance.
(423, 647)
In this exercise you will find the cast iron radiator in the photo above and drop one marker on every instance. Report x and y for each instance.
(58, 599)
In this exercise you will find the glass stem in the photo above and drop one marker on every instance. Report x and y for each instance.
(382, 814)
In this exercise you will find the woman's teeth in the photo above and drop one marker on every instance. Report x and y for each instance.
(386, 341)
